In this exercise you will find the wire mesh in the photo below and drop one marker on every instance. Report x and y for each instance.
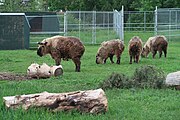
(168, 22)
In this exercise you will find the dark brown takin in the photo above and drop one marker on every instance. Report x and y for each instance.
(62, 47)
(135, 49)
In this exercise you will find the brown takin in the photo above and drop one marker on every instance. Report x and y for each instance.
(62, 47)
(135, 49)
(157, 43)
(109, 49)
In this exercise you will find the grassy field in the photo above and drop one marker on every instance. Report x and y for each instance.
(130, 104)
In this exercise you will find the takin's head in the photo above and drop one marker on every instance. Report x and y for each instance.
(100, 57)
(145, 52)
(43, 48)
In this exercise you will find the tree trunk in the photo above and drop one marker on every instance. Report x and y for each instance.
(91, 101)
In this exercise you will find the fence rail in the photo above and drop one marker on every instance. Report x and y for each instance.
(93, 27)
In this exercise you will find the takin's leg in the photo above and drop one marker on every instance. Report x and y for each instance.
(160, 52)
(118, 55)
(58, 61)
(154, 53)
(56, 56)
(134, 57)
(130, 59)
(77, 63)
(137, 58)
(165, 52)
(111, 58)
(104, 62)
(118, 60)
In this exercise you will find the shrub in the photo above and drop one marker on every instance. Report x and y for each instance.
(148, 76)
(116, 80)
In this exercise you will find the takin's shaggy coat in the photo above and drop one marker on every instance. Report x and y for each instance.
(135, 49)
(154, 44)
(109, 49)
(62, 47)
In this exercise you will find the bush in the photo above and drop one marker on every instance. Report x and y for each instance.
(116, 80)
(144, 77)
(148, 76)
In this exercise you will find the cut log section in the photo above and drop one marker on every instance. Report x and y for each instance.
(56, 70)
(91, 101)
(44, 71)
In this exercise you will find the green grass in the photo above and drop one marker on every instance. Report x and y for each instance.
(101, 35)
(128, 104)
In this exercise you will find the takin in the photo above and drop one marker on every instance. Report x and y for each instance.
(109, 49)
(135, 49)
(62, 47)
(157, 43)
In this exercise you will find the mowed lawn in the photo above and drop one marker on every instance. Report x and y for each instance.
(128, 104)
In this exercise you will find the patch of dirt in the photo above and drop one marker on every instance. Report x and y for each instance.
(12, 76)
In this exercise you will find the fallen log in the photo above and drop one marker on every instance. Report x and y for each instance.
(91, 101)
(44, 71)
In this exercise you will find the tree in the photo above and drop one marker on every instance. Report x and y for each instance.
(21, 5)
(149, 5)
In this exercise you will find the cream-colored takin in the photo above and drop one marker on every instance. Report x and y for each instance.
(157, 43)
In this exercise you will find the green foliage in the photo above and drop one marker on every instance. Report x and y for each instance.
(116, 80)
(87, 5)
(148, 76)
(20, 6)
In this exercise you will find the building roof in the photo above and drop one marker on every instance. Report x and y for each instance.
(12, 13)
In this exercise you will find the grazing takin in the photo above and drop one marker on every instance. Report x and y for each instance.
(62, 47)
(157, 43)
(135, 49)
(109, 49)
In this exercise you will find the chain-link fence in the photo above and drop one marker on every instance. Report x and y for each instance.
(138, 23)
(91, 27)
(168, 23)
(94, 27)
(142, 21)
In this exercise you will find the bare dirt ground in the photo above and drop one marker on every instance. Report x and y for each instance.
(13, 76)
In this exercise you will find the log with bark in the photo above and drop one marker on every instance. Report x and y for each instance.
(90, 101)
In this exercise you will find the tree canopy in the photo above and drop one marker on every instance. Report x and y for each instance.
(85, 5)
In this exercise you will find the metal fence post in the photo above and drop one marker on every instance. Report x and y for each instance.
(94, 28)
(122, 23)
(144, 21)
(79, 24)
(65, 24)
(156, 24)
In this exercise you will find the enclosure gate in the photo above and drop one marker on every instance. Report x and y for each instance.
(118, 22)
(94, 27)
(168, 22)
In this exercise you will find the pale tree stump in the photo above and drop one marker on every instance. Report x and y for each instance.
(44, 71)
(173, 80)
(91, 101)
